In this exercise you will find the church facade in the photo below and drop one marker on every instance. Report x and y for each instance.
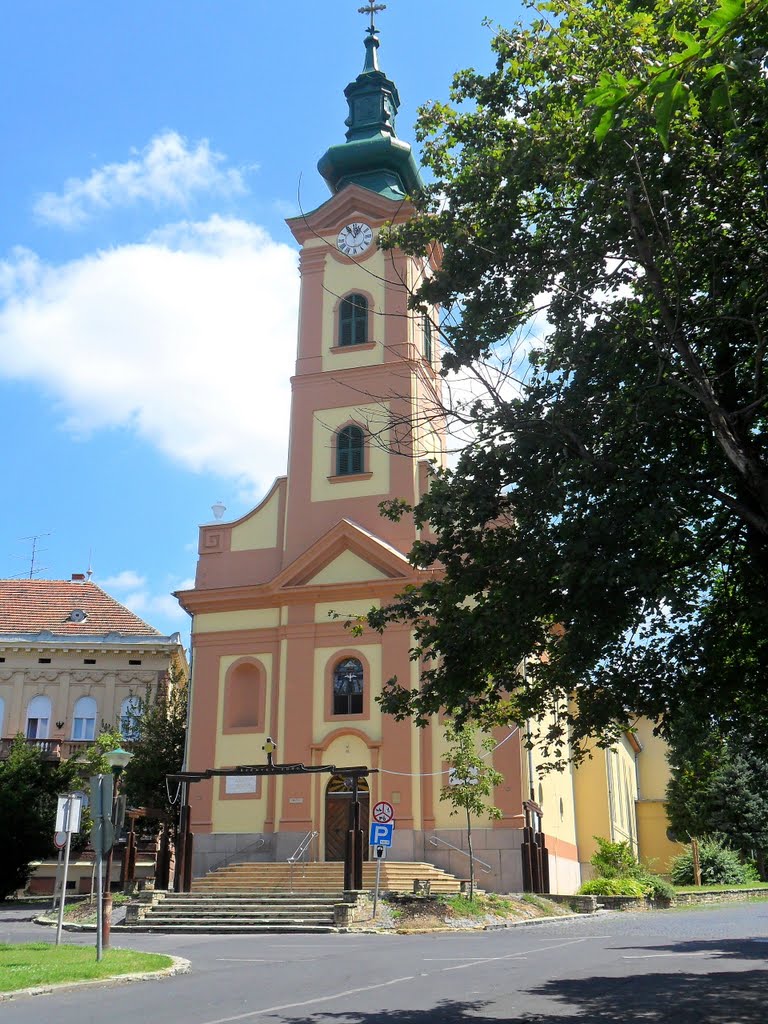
(272, 656)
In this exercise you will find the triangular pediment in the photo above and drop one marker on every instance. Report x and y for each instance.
(346, 554)
(352, 203)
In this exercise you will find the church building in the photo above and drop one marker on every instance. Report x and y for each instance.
(274, 589)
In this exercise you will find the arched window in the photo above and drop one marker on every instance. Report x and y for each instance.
(129, 708)
(2, 715)
(243, 697)
(427, 339)
(38, 717)
(84, 719)
(353, 320)
(350, 451)
(348, 687)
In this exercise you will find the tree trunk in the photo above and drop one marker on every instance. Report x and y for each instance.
(471, 857)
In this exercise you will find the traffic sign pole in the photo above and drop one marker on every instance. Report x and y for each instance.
(63, 893)
(99, 866)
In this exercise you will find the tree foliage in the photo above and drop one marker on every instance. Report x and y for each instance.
(29, 787)
(157, 727)
(719, 786)
(608, 526)
(470, 787)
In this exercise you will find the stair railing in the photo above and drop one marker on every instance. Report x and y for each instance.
(436, 840)
(300, 851)
(228, 860)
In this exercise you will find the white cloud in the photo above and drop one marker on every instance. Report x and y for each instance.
(167, 171)
(128, 579)
(157, 607)
(187, 340)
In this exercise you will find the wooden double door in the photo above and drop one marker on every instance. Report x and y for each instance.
(338, 798)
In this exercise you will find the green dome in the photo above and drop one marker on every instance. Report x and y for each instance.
(372, 156)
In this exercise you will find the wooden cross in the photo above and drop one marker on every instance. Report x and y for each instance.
(372, 8)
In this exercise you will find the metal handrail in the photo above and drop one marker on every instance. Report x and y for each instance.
(228, 860)
(300, 850)
(434, 840)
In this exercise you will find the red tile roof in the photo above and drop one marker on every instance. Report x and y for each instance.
(31, 606)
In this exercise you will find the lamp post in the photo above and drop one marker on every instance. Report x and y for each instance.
(117, 760)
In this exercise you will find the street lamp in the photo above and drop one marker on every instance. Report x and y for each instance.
(117, 759)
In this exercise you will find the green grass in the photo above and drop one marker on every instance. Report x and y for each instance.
(721, 888)
(42, 963)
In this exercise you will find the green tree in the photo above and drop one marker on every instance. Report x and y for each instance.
(157, 730)
(29, 787)
(608, 526)
(471, 782)
(719, 786)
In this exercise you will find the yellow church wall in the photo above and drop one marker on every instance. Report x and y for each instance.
(221, 622)
(656, 850)
(243, 813)
(341, 279)
(653, 766)
(370, 722)
(606, 795)
(348, 568)
(592, 811)
(260, 529)
(326, 422)
(554, 792)
(344, 609)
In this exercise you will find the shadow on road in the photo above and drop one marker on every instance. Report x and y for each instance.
(721, 997)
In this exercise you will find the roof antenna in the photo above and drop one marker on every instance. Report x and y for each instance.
(89, 571)
(33, 570)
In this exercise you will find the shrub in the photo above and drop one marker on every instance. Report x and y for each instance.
(720, 865)
(654, 886)
(613, 860)
(612, 887)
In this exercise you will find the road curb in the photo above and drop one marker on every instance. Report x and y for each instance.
(180, 965)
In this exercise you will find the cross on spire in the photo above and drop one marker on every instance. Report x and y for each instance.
(372, 8)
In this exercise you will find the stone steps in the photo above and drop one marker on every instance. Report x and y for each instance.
(321, 877)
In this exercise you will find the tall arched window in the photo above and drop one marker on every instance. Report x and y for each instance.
(353, 320)
(428, 339)
(129, 708)
(2, 715)
(350, 451)
(348, 687)
(84, 719)
(38, 717)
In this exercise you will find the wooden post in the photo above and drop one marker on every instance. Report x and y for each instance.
(696, 862)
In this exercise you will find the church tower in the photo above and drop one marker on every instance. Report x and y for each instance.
(274, 589)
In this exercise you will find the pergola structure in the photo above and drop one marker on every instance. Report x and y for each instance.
(353, 849)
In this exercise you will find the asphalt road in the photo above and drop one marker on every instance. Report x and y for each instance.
(706, 966)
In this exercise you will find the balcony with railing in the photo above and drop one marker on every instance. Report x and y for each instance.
(52, 750)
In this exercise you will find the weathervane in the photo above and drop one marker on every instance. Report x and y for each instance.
(372, 8)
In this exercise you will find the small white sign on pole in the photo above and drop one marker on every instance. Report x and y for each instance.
(68, 812)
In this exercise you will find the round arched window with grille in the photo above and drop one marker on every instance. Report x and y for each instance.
(348, 683)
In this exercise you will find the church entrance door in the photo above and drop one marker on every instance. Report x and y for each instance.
(338, 796)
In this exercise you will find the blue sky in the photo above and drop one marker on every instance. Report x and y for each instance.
(148, 284)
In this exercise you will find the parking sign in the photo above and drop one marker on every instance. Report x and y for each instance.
(381, 833)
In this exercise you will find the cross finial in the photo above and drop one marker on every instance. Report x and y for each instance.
(372, 8)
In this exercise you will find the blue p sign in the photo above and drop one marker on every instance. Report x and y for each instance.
(381, 834)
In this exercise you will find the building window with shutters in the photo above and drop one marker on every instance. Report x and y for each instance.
(84, 719)
(353, 320)
(350, 451)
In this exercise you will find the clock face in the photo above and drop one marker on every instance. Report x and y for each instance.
(354, 239)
